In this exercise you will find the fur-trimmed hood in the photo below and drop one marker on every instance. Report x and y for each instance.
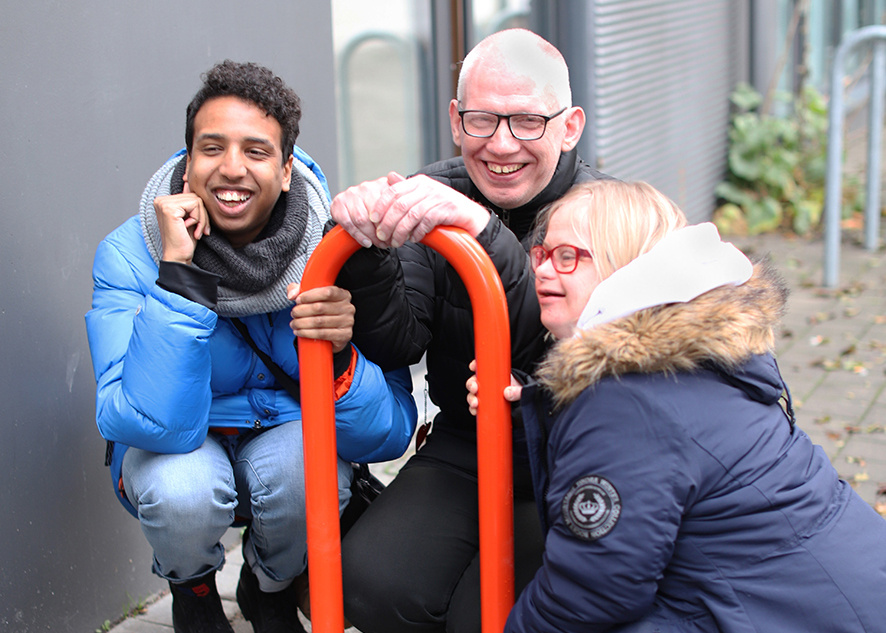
(723, 327)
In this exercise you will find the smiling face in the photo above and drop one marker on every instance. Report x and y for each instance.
(562, 297)
(509, 172)
(236, 166)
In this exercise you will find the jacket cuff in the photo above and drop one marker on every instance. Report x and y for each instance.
(341, 361)
(344, 379)
(189, 282)
(487, 236)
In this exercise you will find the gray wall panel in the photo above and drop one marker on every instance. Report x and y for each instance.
(663, 72)
(92, 99)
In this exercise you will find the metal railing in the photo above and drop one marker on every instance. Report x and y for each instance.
(415, 101)
(834, 174)
(494, 452)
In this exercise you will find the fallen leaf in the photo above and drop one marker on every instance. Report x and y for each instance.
(880, 319)
(856, 460)
(824, 363)
(850, 312)
(855, 221)
(861, 477)
(815, 341)
(850, 428)
(854, 290)
(822, 420)
(832, 435)
(820, 317)
(881, 509)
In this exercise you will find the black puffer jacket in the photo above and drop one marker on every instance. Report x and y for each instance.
(409, 300)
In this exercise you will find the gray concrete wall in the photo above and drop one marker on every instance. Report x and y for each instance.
(92, 101)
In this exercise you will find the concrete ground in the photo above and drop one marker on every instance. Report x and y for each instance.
(831, 350)
(832, 353)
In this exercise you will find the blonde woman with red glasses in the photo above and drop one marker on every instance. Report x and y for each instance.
(675, 490)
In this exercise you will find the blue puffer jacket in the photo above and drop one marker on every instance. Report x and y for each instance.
(168, 368)
(677, 495)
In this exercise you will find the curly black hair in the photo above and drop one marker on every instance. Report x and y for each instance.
(253, 83)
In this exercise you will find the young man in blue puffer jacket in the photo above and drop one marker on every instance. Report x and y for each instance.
(200, 433)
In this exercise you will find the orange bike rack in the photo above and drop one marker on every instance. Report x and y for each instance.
(494, 456)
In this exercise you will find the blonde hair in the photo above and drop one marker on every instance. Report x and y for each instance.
(616, 221)
(524, 54)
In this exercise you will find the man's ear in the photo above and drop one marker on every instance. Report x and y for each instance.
(455, 122)
(287, 173)
(187, 169)
(575, 125)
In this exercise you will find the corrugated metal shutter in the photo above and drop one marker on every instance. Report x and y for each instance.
(663, 73)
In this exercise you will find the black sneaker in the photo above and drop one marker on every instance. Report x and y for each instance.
(268, 612)
(197, 607)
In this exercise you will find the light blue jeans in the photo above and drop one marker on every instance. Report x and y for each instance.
(186, 502)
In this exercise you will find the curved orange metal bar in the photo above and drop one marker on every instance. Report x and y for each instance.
(492, 343)
(492, 346)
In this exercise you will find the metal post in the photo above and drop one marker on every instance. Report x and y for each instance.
(494, 437)
(320, 455)
(875, 133)
(833, 183)
(834, 174)
(492, 345)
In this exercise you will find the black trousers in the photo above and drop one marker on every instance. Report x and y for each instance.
(411, 562)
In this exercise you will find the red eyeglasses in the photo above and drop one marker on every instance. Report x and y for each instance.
(563, 257)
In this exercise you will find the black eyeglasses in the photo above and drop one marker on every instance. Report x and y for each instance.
(564, 257)
(524, 127)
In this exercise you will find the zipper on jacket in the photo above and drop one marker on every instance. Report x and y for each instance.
(784, 400)
(542, 416)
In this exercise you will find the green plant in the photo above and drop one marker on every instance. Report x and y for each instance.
(777, 166)
(135, 607)
(132, 609)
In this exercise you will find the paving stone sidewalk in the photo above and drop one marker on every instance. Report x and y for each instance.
(832, 353)
(831, 350)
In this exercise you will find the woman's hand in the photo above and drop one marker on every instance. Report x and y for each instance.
(512, 392)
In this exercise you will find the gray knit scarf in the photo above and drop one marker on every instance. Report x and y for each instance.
(254, 278)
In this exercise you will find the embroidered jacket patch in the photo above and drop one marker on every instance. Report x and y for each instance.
(591, 507)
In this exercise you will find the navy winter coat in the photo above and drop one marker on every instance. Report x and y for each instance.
(675, 491)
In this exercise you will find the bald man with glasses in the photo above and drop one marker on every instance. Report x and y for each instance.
(411, 562)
